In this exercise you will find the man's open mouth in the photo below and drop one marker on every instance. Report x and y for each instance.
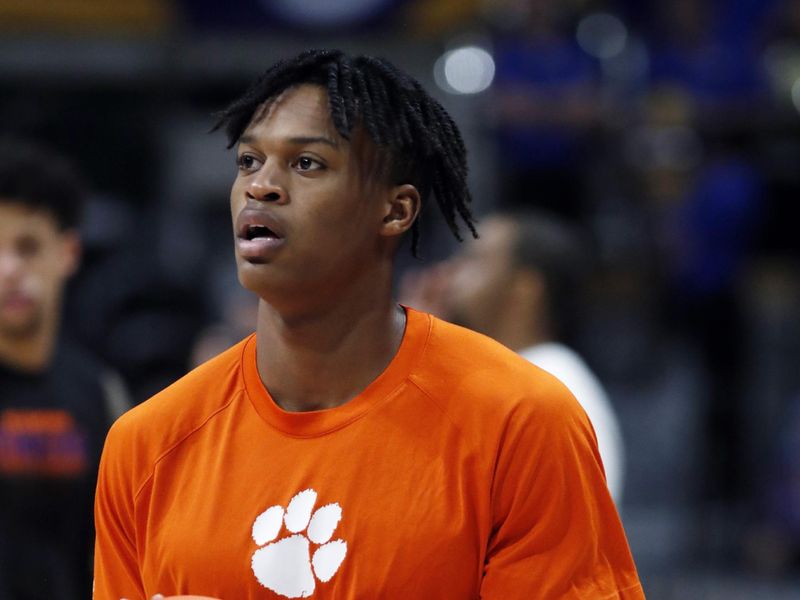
(253, 232)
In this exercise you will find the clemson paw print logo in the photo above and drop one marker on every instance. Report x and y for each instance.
(287, 566)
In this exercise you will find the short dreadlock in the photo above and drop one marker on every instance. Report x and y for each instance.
(418, 138)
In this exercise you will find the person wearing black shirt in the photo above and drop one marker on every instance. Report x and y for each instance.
(56, 401)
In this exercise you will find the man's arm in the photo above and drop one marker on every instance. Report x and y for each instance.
(116, 568)
(556, 532)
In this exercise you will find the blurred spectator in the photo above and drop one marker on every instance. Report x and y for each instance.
(518, 284)
(691, 50)
(702, 199)
(778, 134)
(773, 423)
(783, 22)
(239, 312)
(56, 401)
(126, 307)
(670, 151)
(544, 102)
(779, 540)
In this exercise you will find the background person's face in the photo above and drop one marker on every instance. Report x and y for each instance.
(481, 275)
(36, 258)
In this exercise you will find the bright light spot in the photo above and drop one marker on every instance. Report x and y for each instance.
(796, 94)
(467, 70)
(602, 35)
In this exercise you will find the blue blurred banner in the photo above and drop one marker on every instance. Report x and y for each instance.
(314, 15)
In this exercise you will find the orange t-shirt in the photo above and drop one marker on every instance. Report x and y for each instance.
(461, 472)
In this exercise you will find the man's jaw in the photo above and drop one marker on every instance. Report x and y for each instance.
(20, 318)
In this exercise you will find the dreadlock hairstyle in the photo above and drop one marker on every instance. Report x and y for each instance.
(416, 140)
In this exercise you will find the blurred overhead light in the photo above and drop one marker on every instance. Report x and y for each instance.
(466, 70)
(602, 35)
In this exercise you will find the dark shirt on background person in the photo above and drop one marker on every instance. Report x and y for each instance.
(52, 427)
(56, 402)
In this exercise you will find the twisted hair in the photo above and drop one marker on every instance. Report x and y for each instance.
(415, 138)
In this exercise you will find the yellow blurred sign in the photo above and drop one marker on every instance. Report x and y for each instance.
(89, 16)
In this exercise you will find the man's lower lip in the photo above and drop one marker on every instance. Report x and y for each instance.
(258, 247)
(16, 304)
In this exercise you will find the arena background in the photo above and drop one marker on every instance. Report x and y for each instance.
(669, 129)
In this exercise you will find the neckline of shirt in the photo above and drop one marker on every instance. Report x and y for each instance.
(320, 422)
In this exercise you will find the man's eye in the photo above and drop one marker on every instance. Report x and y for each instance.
(247, 162)
(306, 163)
(28, 247)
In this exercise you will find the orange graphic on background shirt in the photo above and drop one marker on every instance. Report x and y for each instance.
(41, 442)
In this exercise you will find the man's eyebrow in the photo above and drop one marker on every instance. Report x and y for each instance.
(299, 140)
(303, 140)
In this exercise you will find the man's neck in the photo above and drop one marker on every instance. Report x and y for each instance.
(327, 356)
(29, 353)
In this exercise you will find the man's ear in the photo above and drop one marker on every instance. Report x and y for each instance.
(72, 251)
(401, 208)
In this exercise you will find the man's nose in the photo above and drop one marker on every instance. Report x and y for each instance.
(267, 185)
(10, 265)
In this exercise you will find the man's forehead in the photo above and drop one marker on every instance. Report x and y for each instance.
(15, 212)
(301, 111)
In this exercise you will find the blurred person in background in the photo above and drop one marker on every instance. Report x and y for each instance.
(353, 447)
(544, 102)
(703, 201)
(239, 311)
(518, 284)
(56, 401)
(707, 50)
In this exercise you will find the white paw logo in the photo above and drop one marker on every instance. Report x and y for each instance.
(285, 566)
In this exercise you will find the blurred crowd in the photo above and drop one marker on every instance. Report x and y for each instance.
(667, 133)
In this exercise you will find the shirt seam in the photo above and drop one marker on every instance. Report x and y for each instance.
(433, 400)
(446, 414)
(497, 445)
(338, 427)
(411, 377)
(181, 440)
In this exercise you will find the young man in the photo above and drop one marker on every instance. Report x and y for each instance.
(518, 284)
(56, 402)
(353, 448)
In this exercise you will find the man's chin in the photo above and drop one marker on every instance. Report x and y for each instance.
(18, 327)
(250, 279)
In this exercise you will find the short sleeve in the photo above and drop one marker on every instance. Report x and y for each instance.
(555, 531)
(116, 570)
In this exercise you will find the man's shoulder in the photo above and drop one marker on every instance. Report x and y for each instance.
(184, 406)
(463, 369)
